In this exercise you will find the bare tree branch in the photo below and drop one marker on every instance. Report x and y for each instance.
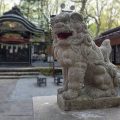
(76, 1)
(96, 21)
(83, 5)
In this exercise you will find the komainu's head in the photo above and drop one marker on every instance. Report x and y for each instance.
(69, 28)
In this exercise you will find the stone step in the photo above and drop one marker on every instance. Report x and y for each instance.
(18, 77)
(45, 108)
(20, 69)
(18, 73)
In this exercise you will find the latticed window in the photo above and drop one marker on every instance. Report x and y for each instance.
(113, 54)
(117, 53)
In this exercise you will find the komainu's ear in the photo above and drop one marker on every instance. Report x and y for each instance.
(76, 17)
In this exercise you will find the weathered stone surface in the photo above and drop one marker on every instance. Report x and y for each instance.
(87, 69)
(45, 108)
(87, 103)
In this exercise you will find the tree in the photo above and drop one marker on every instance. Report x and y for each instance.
(3, 7)
(82, 3)
(95, 13)
(113, 14)
(102, 15)
(39, 11)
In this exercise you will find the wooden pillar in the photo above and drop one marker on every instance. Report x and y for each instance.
(30, 55)
(115, 54)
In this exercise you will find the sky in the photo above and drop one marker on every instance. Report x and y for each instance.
(16, 2)
(12, 2)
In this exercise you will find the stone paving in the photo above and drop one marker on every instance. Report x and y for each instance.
(27, 88)
(45, 108)
(16, 97)
(22, 99)
(13, 109)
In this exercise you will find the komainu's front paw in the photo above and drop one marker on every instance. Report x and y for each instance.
(70, 94)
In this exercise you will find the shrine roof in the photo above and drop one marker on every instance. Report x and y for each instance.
(109, 34)
(16, 15)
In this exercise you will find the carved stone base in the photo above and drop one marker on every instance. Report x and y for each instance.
(87, 103)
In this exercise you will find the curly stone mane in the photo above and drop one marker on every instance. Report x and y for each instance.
(86, 67)
(70, 29)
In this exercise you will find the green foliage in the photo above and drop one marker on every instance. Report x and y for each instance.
(39, 11)
(46, 71)
(101, 14)
(92, 28)
(50, 71)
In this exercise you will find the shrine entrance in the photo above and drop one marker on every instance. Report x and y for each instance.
(11, 54)
(16, 37)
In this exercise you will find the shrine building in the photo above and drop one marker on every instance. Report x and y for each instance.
(114, 36)
(16, 34)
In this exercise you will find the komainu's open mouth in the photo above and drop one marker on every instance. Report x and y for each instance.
(64, 35)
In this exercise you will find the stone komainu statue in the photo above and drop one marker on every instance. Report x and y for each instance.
(87, 69)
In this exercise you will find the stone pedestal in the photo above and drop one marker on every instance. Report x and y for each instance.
(87, 103)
